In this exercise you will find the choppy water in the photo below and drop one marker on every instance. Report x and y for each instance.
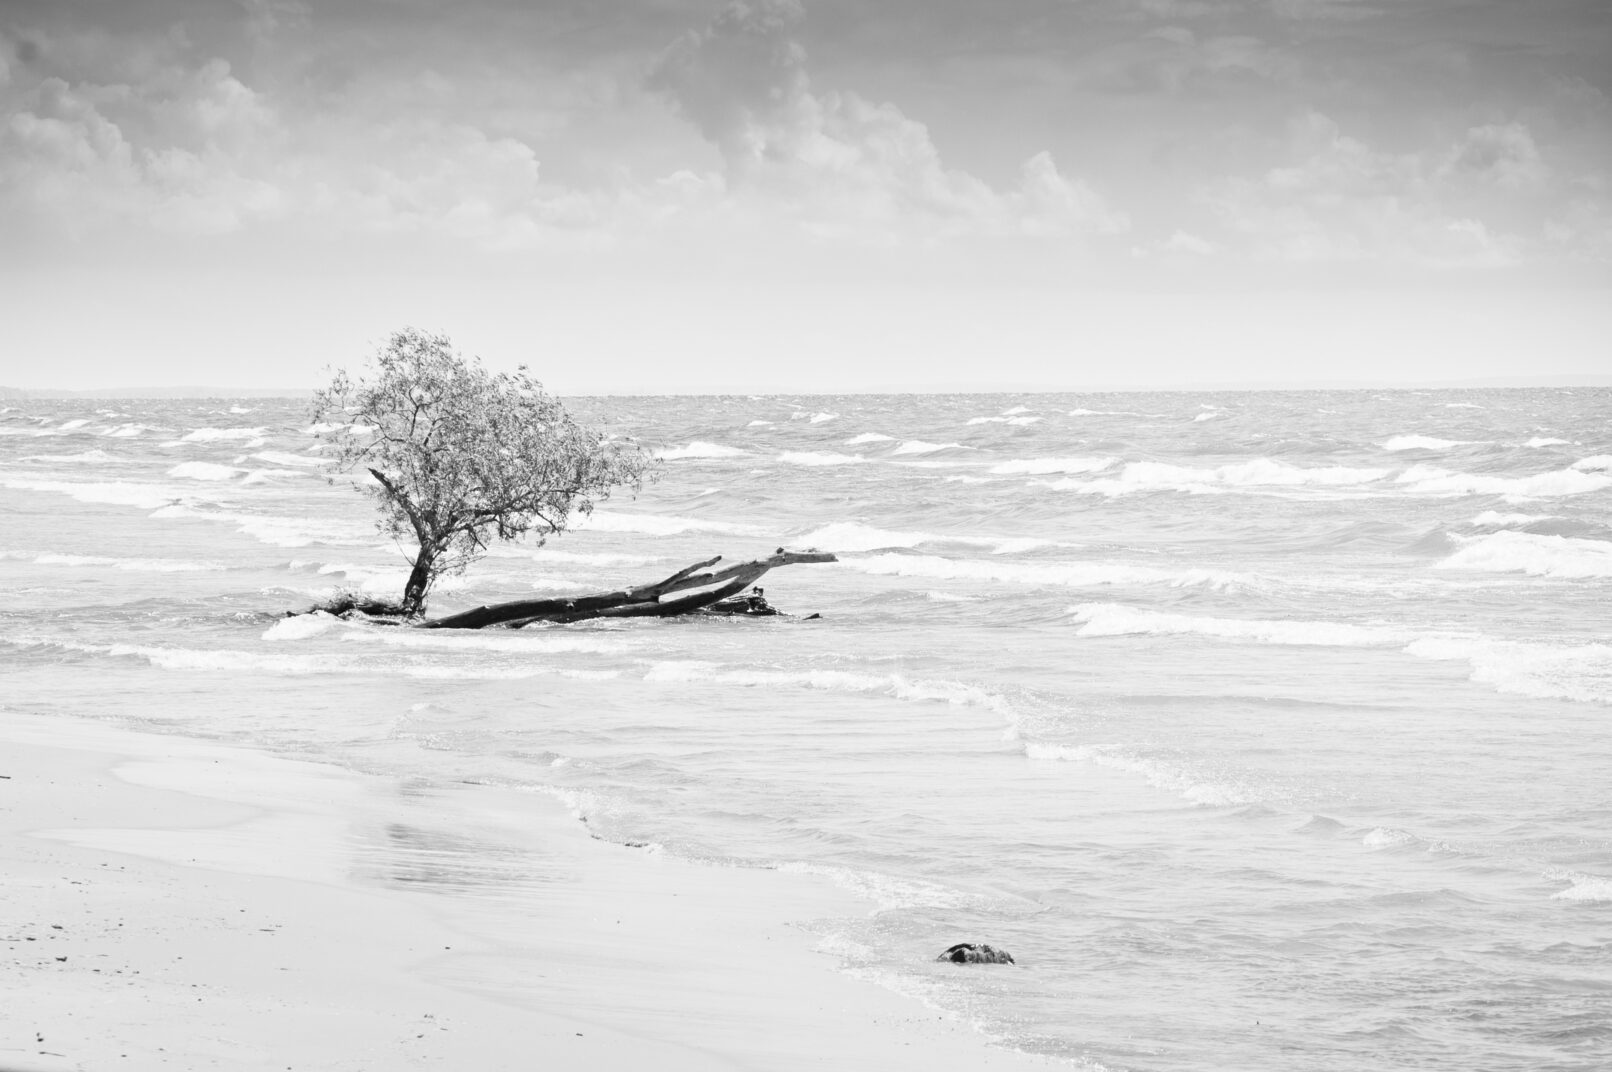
(1268, 730)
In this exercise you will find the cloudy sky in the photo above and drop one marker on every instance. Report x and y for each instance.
(692, 195)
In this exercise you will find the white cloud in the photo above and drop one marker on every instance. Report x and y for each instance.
(1342, 199)
(837, 162)
(1180, 246)
(1501, 153)
(63, 152)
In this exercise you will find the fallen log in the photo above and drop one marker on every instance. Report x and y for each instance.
(646, 600)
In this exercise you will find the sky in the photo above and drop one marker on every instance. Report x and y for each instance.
(647, 196)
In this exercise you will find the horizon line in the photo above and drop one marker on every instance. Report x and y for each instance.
(1561, 380)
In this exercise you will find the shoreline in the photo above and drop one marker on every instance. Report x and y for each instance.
(291, 914)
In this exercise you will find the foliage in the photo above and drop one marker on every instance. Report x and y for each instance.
(461, 456)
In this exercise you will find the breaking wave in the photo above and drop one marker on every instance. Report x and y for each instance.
(700, 449)
(1258, 473)
(1068, 574)
(114, 493)
(1582, 673)
(204, 471)
(213, 435)
(655, 524)
(1043, 466)
(895, 685)
(1419, 442)
(1531, 553)
(820, 457)
(852, 536)
(1429, 480)
(918, 446)
(1114, 619)
(1161, 774)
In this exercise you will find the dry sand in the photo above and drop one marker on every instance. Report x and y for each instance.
(170, 903)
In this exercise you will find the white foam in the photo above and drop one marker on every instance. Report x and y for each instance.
(1070, 574)
(1585, 888)
(277, 531)
(1383, 837)
(301, 627)
(68, 426)
(578, 558)
(918, 446)
(554, 582)
(1015, 411)
(88, 457)
(518, 642)
(1531, 553)
(475, 673)
(1419, 442)
(1016, 545)
(204, 471)
(136, 565)
(853, 536)
(116, 493)
(1596, 463)
(1205, 416)
(264, 476)
(279, 457)
(1256, 473)
(654, 524)
(1495, 519)
(1157, 773)
(1545, 441)
(1114, 619)
(895, 685)
(130, 431)
(213, 435)
(219, 660)
(820, 457)
(700, 449)
(1043, 466)
(1427, 480)
(819, 418)
(1582, 673)
(868, 437)
(759, 424)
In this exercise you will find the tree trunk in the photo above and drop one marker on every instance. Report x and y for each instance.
(419, 580)
(641, 601)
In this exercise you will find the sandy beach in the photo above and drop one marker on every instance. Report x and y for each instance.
(172, 903)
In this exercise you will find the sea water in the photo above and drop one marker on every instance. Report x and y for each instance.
(1267, 730)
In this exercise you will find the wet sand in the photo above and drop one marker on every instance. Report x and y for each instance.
(184, 904)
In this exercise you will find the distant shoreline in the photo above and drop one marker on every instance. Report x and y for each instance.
(1489, 383)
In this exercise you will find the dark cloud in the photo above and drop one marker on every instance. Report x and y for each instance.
(742, 71)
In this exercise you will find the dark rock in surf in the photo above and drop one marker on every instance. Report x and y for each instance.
(967, 953)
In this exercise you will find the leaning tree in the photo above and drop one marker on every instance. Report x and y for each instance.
(460, 456)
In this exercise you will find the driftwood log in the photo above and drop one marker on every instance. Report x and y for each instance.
(646, 600)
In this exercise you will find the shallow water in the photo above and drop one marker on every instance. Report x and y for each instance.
(1267, 730)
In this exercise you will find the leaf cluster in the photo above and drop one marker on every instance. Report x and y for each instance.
(460, 456)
